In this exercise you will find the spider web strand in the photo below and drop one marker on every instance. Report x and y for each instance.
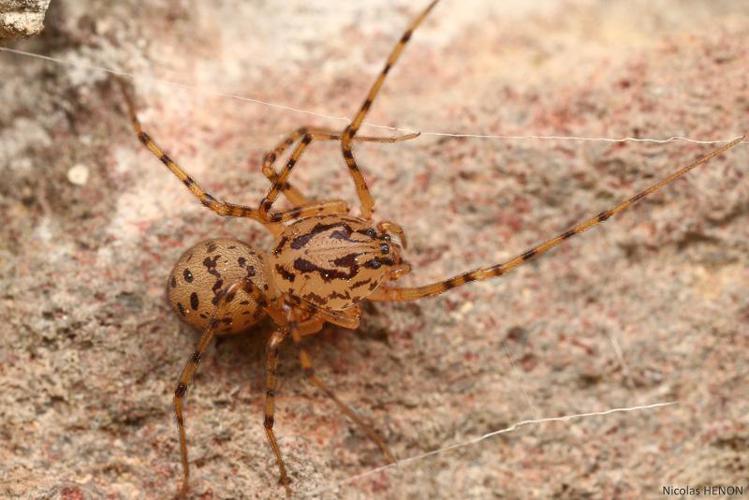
(476, 440)
(285, 107)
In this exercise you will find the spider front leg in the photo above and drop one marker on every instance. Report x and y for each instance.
(307, 135)
(192, 365)
(365, 198)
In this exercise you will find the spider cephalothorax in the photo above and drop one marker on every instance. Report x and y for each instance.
(324, 262)
(333, 261)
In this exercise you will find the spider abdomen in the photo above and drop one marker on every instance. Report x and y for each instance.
(202, 275)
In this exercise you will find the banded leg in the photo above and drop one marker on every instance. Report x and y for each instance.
(271, 384)
(206, 199)
(365, 198)
(403, 294)
(306, 362)
(392, 227)
(323, 208)
(280, 181)
(192, 365)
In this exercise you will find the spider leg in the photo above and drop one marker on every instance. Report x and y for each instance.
(404, 294)
(306, 362)
(305, 135)
(348, 318)
(220, 207)
(333, 207)
(192, 365)
(320, 134)
(365, 198)
(392, 227)
(271, 385)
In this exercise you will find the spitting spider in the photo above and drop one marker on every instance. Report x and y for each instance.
(325, 261)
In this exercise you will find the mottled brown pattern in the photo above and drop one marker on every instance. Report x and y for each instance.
(333, 257)
(196, 296)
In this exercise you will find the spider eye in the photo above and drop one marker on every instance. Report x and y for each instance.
(374, 264)
(371, 232)
(384, 247)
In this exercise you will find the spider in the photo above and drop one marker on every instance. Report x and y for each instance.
(325, 261)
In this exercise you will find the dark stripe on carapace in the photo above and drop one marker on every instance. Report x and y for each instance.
(173, 281)
(181, 309)
(300, 241)
(211, 247)
(305, 266)
(360, 283)
(336, 295)
(194, 302)
(347, 260)
(314, 298)
(288, 276)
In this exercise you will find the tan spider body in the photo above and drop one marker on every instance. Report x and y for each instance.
(333, 262)
(198, 279)
(330, 262)
(324, 261)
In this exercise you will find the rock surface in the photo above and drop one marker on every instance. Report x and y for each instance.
(21, 18)
(652, 307)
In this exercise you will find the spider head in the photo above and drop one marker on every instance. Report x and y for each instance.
(385, 252)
